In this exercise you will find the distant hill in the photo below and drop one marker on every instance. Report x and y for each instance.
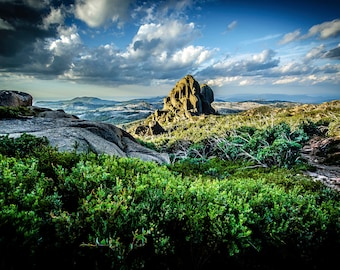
(110, 111)
(122, 112)
(277, 97)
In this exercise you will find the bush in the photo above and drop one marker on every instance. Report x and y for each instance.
(275, 146)
(8, 112)
(121, 213)
(23, 146)
(48, 157)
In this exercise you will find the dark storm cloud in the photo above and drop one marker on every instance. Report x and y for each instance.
(24, 20)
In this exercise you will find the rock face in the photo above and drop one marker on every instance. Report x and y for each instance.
(207, 96)
(68, 133)
(15, 98)
(185, 100)
(188, 98)
(323, 153)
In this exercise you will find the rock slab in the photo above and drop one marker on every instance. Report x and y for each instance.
(70, 133)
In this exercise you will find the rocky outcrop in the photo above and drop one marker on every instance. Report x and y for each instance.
(189, 99)
(15, 98)
(185, 100)
(154, 128)
(323, 154)
(69, 133)
(207, 97)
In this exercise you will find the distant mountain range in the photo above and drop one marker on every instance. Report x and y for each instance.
(121, 112)
(111, 111)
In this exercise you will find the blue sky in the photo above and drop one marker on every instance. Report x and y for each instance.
(118, 49)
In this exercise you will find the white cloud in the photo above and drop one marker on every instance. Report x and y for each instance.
(324, 30)
(244, 64)
(316, 53)
(4, 25)
(247, 82)
(263, 57)
(292, 68)
(261, 39)
(67, 41)
(97, 12)
(190, 55)
(231, 25)
(37, 4)
(156, 11)
(154, 39)
(221, 80)
(292, 36)
(333, 53)
(286, 80)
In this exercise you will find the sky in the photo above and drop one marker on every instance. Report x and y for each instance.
(124, 49)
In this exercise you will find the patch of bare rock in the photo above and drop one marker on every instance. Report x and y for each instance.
(68, 132)
(323, 153)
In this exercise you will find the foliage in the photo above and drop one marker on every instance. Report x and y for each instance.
(48, 157)
(121, 213)
(23, 146)
(14, 112)
(200, 128)
(275, 146)
(233, 197)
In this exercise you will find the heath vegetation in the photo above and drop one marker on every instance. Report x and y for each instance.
(234, 196)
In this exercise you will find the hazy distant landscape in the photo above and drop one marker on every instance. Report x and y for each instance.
(121, 112)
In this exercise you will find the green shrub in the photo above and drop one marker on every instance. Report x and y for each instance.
(8, 112)
(121, 213)
(48, 157)
(23, 146)
(274, 146)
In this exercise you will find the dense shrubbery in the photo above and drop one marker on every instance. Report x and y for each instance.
(99, 212)
(275, 146)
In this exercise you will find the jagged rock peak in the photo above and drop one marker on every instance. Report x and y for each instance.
(185, 100)
(188, 97)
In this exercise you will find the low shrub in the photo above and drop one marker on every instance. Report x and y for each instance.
(8, 112)
(121, 213)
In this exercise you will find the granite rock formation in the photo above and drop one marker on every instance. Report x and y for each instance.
(185, 100)
(15, 98)
(207, 97)
(188, 98)
(68, 133)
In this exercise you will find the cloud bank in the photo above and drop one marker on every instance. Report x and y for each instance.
(46, 40)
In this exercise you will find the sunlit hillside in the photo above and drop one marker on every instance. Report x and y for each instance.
(203, 127)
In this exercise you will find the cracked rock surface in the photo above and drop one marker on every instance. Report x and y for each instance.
(69, 134)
